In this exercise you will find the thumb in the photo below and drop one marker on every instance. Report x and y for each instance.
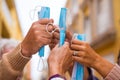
(57, 46)
(66, 44)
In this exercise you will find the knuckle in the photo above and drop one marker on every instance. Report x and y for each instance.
(33, 24)
(37, 39)
(65, 46)
(35, 33)
(86, 43)
(34, 27)
(84, 48)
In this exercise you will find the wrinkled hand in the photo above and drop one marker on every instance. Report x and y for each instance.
(36, 37)
(56, 37)
(60, 59)
(85, 54)
(88, 57)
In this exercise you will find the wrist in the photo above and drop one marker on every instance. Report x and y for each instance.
(103, 66)
(24, 51)
(55, 69)
(97, 62)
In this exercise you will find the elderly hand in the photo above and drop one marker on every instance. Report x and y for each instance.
(59, 59)
(87, 56)
(56, 37)
(36, 37)
(84, 53)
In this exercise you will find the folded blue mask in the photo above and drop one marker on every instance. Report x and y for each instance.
(78, 69)
(43, 13)
(62, 25)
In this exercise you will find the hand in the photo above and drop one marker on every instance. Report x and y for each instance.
(85, 54)
(36, 37)
(56, 37)
(88, 57)
(68, 36)
(59, 59)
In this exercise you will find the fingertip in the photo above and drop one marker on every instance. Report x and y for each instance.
(75, 41)
(69, 34)
(51, 20)
(44, 21)
(66, 43)
(72, 41)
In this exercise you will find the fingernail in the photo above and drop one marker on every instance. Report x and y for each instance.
(66, 43)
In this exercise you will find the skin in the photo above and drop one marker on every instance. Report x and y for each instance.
(88, 57)
(55, 39)
(37, 36)
(53, 69)
(59, 59)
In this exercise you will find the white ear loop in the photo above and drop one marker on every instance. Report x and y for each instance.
(52, 30)
(41, 59)
(39, 67)
(34, 11)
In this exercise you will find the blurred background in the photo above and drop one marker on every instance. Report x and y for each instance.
(98, 19)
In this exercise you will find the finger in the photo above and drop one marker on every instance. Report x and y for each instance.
(66, 40)
(71, 52)
(55, 41)
(40, 28)
(51, 46)
(44, 41)
(57, 45)
(77, 59)
(56, 35)
(68, 35)
(47, 36)
(45, 21)
(57, 28)
(50, 27)
(77, 47)
(78, 53)
(43, 34)
(51, 21)
(66, 45)
(75, 41)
